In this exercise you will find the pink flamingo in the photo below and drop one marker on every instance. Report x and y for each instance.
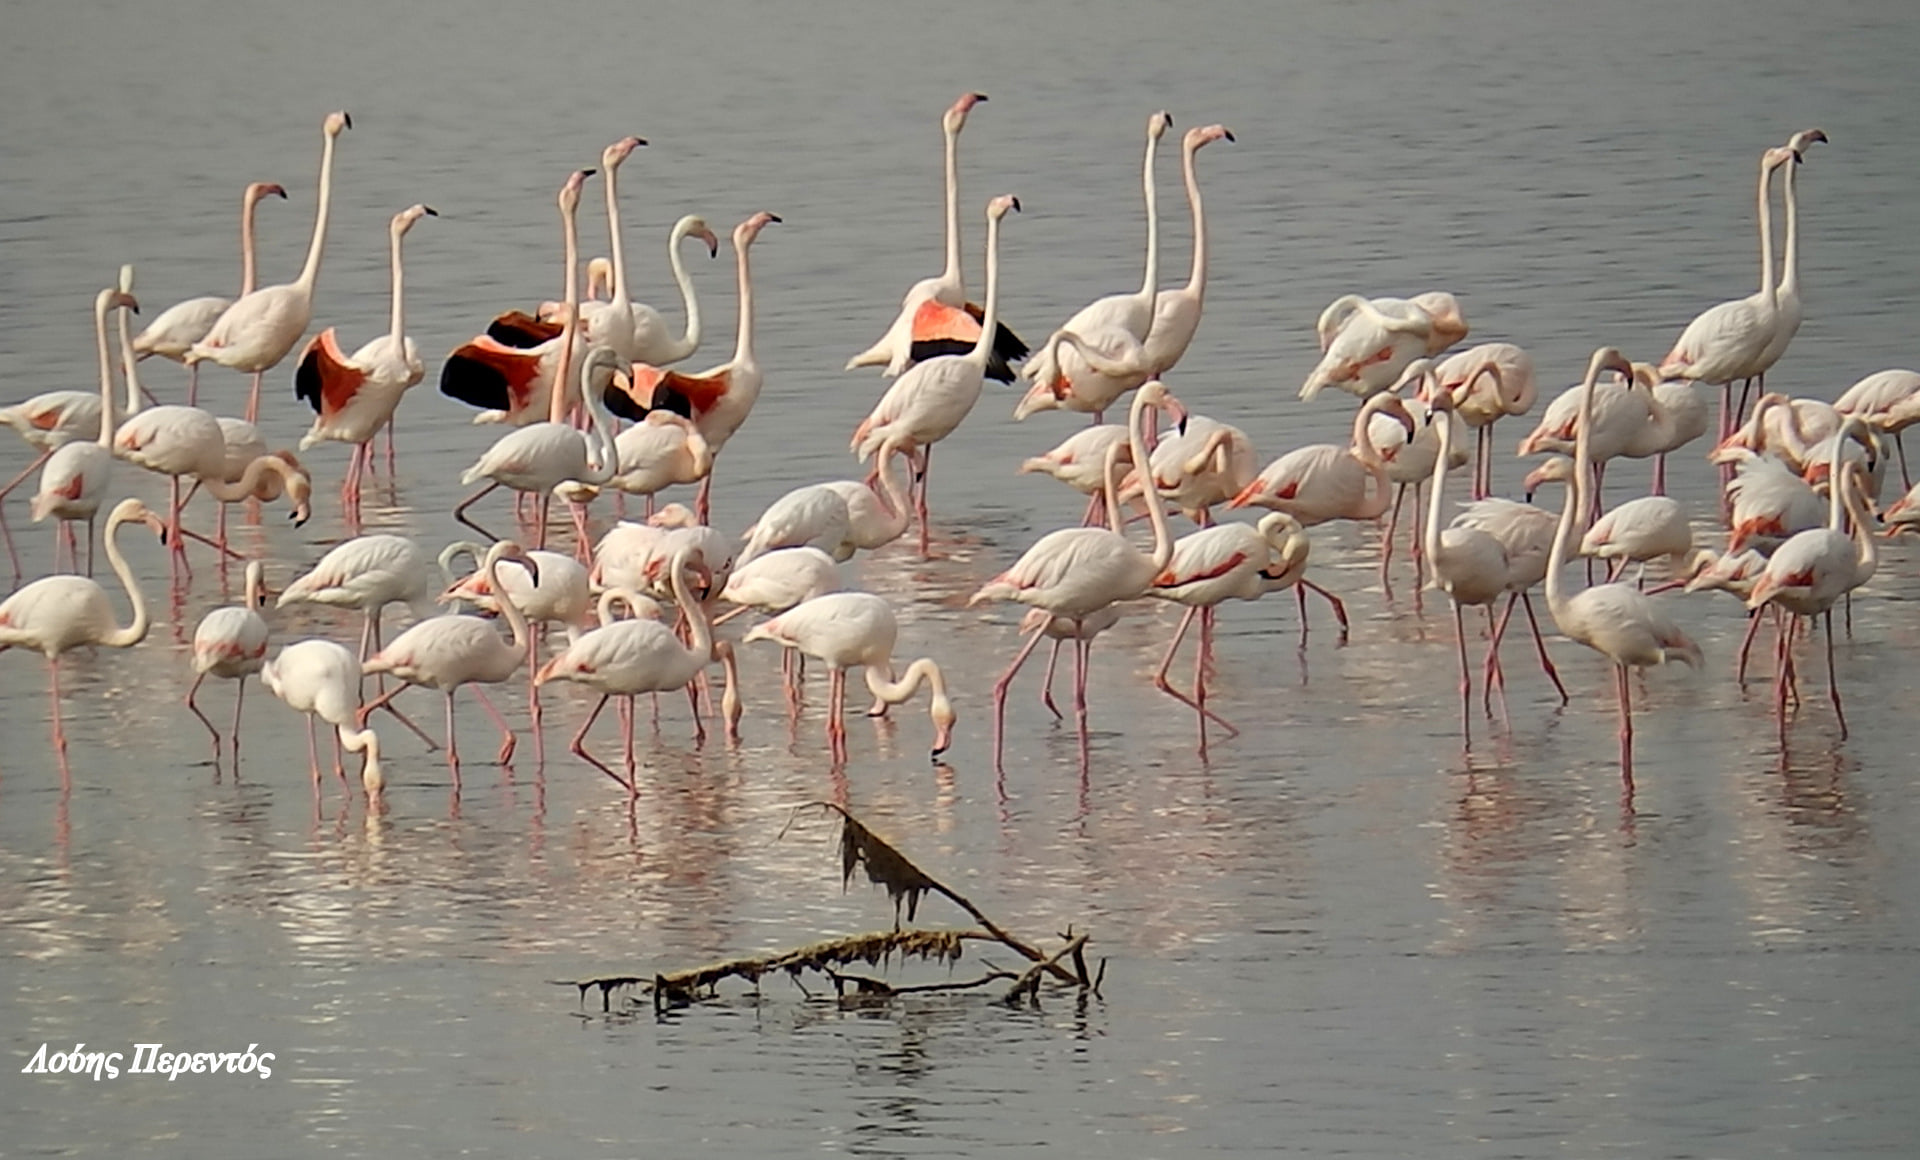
(322, 679)
(76, 474)
(231, 643)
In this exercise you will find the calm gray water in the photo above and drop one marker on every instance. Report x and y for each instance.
(1337, 936)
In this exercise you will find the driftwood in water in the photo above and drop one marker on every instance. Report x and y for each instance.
(905, 883)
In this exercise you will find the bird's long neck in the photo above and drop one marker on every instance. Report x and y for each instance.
(249, 480)
(311, 271)
(364, 741)
(1151, 283)
(137, 631)
(1557, 593)
(1368, 456)
(248, 203)
(700, 648)
(1149, 495)
(398, 321)
(618, 249)
(990, 314)
(1836, 498)
(516, 620)
(953, 276)
(130, 363)
(255, 581)
(691, 340)
(100, 308)
(922, 671)
(892, 492)
(570, 294)
(1867, 559)
(1197, 280)
(607, 457)
(1431, 535)
(743, 344)
(1790, 265)
(1766, 236)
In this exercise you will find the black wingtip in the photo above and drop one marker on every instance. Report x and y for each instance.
(622, 405)
(474, 383)
(306, 382)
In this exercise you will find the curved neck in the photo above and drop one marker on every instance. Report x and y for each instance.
(701, 646)
(1766, 236)
(570, 294)
(691, 340)
(1432, 534)
(922, 671)
(137, 631)
(605, 453)
(311, 271)
(1867, 559)
(243, 488)
(618, 595)
(893, 495)
(1363, 448)
(953, 275)
(254, 584)
(619, 251)
(743, 345)
(248, 204)
(1197, 280)
(130, 364)
(1790, 273)
(1110, 488)
(990, 314)
(106, 371)
(1557, 594)
(1836, 469)
(1151, 282)
(516, 620)
(1149, 495)
(398, 327)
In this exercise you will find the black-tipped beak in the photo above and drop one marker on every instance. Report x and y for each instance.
(1016, 205)
(774, 217)
(347, 117)
(1229, 135)
(639, 140)
(588, 172)
(1181, 426)
(431, 212)
(983, 96)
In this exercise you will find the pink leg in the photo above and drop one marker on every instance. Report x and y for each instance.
(193, 385)
(1491, 672)
(239, 696)
(1746, 645)
(1386, 538)
(702, 500)
(1626, 730)
(453, 745)
(253, 400)
(1000, 688)
(1466, 678)
(920, 508)
(1197, 702)
(1046, 681)
(390, 423)
(195, 709)
(1540, 644)
(579, 746)
(1660, 474)
(1417, 528)
(59, 728)
(460, 509)
(1339, 609)
(1833, 683)
(313, 755)
(507, 740)
(836, 709)
(1081, 648)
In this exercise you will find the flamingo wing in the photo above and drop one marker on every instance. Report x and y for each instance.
(651, 388)
(489, 374)
(326, 378)
(522, 331)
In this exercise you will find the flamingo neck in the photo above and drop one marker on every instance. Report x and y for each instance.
(130, 362)
(243, 488)
(1368, 455)
(570, 294)
(700, 649)
(254, 584)
(990, 314)
(100, 308)
(398, 320)
(1197, 280)
(135, 632)
(516, 620)
(922, 671)
(607, 455)
(1431, 535)
(1557, 593)
(1790, 272)
(743, 343)
(1766, 237)
(248, 203)
(1110, 489)
(893, 495)
(691, 340)
(364, 741)
(1867, 561)
(953, 277)
(1137, 443)
(619, 250)
(311, 271)
(1150, 284)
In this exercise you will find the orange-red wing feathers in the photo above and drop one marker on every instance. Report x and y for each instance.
(488, 374)
(522, 331)
(651, 388)
(324, 377)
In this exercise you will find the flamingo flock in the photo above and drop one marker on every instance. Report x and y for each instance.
(1802, 481)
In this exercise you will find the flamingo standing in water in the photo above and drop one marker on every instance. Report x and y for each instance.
(57, 614)
(174, 330)
(446, 652)
(1366, 343)
(231, 643)
(1490, 382)
(180, 442)
(261, 328)
(75, 477)
(719, 400)
(1076, 572)
(1616, 620)
(322, 679)
(1109, 329)
(927, 403)
(367, 573)
(844, 629)
(1080, 463)
(517, 371)
(353, 397)
(878, 508)
(935, 317)
(1726, 341)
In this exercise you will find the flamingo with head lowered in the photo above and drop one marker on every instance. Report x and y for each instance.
(261, 328)
(935, 317)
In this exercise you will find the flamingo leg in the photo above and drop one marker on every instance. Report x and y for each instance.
(390, 422)
(460, 509)
(1466, 677)
(195, 710)
(1046, 681)
(507, 739)
(1005, 682)
(253, 399)
(1833, 682)
(699, 719)
(1081, 648)
(1096, 510)
(1339, 609)
(920, 502)
(1196, 702)
(1746, 646)
(702, 499)
(313, 755)
(193, 384)
(543, 506)
(1483, 463)
(1660, 474)
(1540, 645)
(1386, 538)
(1626, 729)
(1900, 449)
(453, 745)
(1415, 530)
(239, 696)
(836, 706)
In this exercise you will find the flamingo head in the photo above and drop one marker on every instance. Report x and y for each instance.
(333, 125)
(1421, 371)
(614, 154)
(569, 198)
(109, 299)
(692, 226)
(999, 206)
(1773, 159)
(1449, 321)
(943, 721)
(509, 550)
(1206, 135)
(261, 189)
(1799, 142)
(129, 510)
(746, 231)
(1558, 469)
(403, 221)
(1158, 124)
(1609, 359)
(956, 116)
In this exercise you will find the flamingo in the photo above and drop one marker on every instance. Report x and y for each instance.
(1205, 464)
(1726, 341)
(1637, 531)
(634, 556)
(926, 404)
(653, 342)
(875, 518)
(1490, 381)
(1525, 533)
(1616, 620)
(555, 590)
(1214, 565)
(1786, 295)
(1734, 572)
(353, 397)
(231, 643)
(540, 457)
(1176, 313)
(1676, 416)
(1366, 343)
(780, 579)
(261, 328)
(322, 679)
(174, 330)
(57, 614)
(76, 473)
(1768, 501)
(368, 573)
(658, 452)
(1076, 572)
(1409, 460)
(1889, 401)
(625, 658)
(177, 442)
(1116, 325)
(1808, 574)
(935, 317)
(1080, 463)
(446, 652)
(1792, 429)
(517, 371)
(1621, 412)
(812, 516)
(844, 629)
(719, 400)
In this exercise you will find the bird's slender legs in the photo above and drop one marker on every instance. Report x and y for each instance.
(1096, 510)
(239, 696)
(1483, 464)
(6, 534)
(507, 740)
(1466, 678)
(702, 499)
(1626, 727)
(253, 399)
(313, 756)
(1196, 702)
(626, 748)
(59, 728)
(1081, 648)
(1339, 609)
(836, 707)
(1386, 538)
(920, 498)
(1833, 683)
(390, 422)
(1540, 646)
(1005, 682)
(460, 509)
(453, 745)
(193, 384)
(1046, 681)
(195, 709)
(1746, 646)
(1414, 532)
